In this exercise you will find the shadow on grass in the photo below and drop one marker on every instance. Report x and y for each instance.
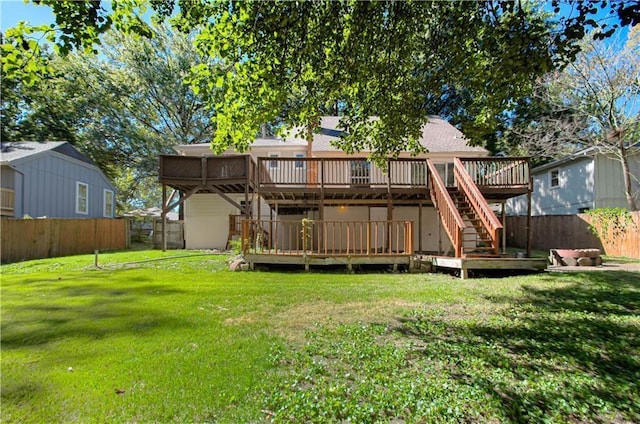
(569, 353)
(85, 310)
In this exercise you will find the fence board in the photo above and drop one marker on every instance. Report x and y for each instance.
(572, 232)
(24, 239)
(175, 234)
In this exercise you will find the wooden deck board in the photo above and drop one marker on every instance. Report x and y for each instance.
(465, 264)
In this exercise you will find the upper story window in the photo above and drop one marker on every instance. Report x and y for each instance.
(108, 204)
(273, 163)
(554, 178)
(360, 171)
(82, 198)
(299, 163)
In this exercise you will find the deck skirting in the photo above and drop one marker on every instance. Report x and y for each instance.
(412, 262)
(329, 260)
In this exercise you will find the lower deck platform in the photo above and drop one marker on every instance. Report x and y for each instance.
(464, 265)
(416, 263)
(329, 260)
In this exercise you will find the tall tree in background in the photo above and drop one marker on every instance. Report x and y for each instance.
(594, 102)
(123, 108)
(375, 58)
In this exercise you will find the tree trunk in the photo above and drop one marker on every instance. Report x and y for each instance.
(626, 174)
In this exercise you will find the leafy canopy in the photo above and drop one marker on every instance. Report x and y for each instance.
(389, 59)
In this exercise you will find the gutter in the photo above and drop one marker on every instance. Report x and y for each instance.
(578, 155)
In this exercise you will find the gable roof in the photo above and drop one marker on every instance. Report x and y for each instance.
(437, 136)
(12, 151)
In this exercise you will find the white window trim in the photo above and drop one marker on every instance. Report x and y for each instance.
(273, 155)
(299, 162)
(104, 203)
(551, 171)
(78, 211)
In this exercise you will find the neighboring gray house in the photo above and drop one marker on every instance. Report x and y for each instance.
(578, 182)
(52, 179)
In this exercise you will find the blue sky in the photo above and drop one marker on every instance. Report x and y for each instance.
(13, 11)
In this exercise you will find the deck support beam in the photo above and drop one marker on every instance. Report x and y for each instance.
(529, 222)
(164, 218)
(420, 227)
(504, 229)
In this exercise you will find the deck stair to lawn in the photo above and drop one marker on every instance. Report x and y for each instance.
(476, 240)
(472, 226)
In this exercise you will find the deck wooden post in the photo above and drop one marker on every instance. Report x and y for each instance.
(529, 222)
(244, 242)
(389, 209)
(504, 229)
(247, 206)
(439, 236)
(420, 226)
(321, 206)
(164, 218)
(257, 190)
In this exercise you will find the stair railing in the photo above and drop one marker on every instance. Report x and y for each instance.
(453, 223)
(479, 203)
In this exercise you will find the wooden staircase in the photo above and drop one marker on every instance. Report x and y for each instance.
(472, 226)
(476, 240)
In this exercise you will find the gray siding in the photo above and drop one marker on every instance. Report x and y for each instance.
(48, 187)
(575, 190)
(7, 178)
(610, 181)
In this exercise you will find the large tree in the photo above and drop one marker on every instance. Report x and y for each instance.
(593, 103)
(390, 59)
(123, 107)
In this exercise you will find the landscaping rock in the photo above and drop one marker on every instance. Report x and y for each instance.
(569, 261)
(237, 263)
(584, 261)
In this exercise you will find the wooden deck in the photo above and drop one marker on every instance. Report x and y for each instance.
(300, 185)
(315, 260)
(413, 263)
(312, 182)
(464, 265)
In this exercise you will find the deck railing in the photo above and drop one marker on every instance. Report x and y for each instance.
(341, 172)
(478, 202)
(207, 169)
(328, 238)
(7, 202)
(498, 172)
(453, 223)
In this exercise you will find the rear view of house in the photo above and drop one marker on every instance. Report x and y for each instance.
(297, 198)
(53, 179)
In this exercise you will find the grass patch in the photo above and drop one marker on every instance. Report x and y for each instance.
(183, 339)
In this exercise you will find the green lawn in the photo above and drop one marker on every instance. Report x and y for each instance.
(185, 340)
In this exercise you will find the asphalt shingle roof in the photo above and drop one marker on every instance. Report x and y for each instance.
(12, 151)
(437, 136)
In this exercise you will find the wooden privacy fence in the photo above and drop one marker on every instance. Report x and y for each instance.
(24, 239)
(572, 232)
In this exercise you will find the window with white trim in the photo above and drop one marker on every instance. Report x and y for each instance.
(108, 204)
(82, 198)
(299, 163)
(554, 178)
(273, 163)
